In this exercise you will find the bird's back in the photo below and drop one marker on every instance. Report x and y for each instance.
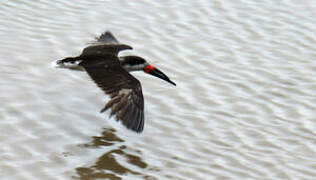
(104, 49)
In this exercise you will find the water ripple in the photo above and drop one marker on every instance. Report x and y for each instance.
(243, 106)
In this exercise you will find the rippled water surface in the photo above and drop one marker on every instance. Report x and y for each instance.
(244, 105)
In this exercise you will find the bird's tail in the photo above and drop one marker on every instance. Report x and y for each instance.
(69, 63)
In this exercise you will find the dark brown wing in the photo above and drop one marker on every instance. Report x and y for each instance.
(107, 38)
(105, 43)
(127, 102)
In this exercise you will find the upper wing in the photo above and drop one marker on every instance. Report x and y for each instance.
(107, 38)
(106, 43)
(127, 102)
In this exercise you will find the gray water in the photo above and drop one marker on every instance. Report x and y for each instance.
(243, 108)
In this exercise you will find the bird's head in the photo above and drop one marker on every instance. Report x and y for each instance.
(136, 63)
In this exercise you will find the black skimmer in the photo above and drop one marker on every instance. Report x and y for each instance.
(111, 73)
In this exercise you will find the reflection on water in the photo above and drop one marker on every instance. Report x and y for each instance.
(108, 165)
(108, 138)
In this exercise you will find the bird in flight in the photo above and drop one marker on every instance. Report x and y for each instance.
(111, 73)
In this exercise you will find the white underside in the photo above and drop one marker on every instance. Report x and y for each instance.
(75, 66)
(72, 66)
